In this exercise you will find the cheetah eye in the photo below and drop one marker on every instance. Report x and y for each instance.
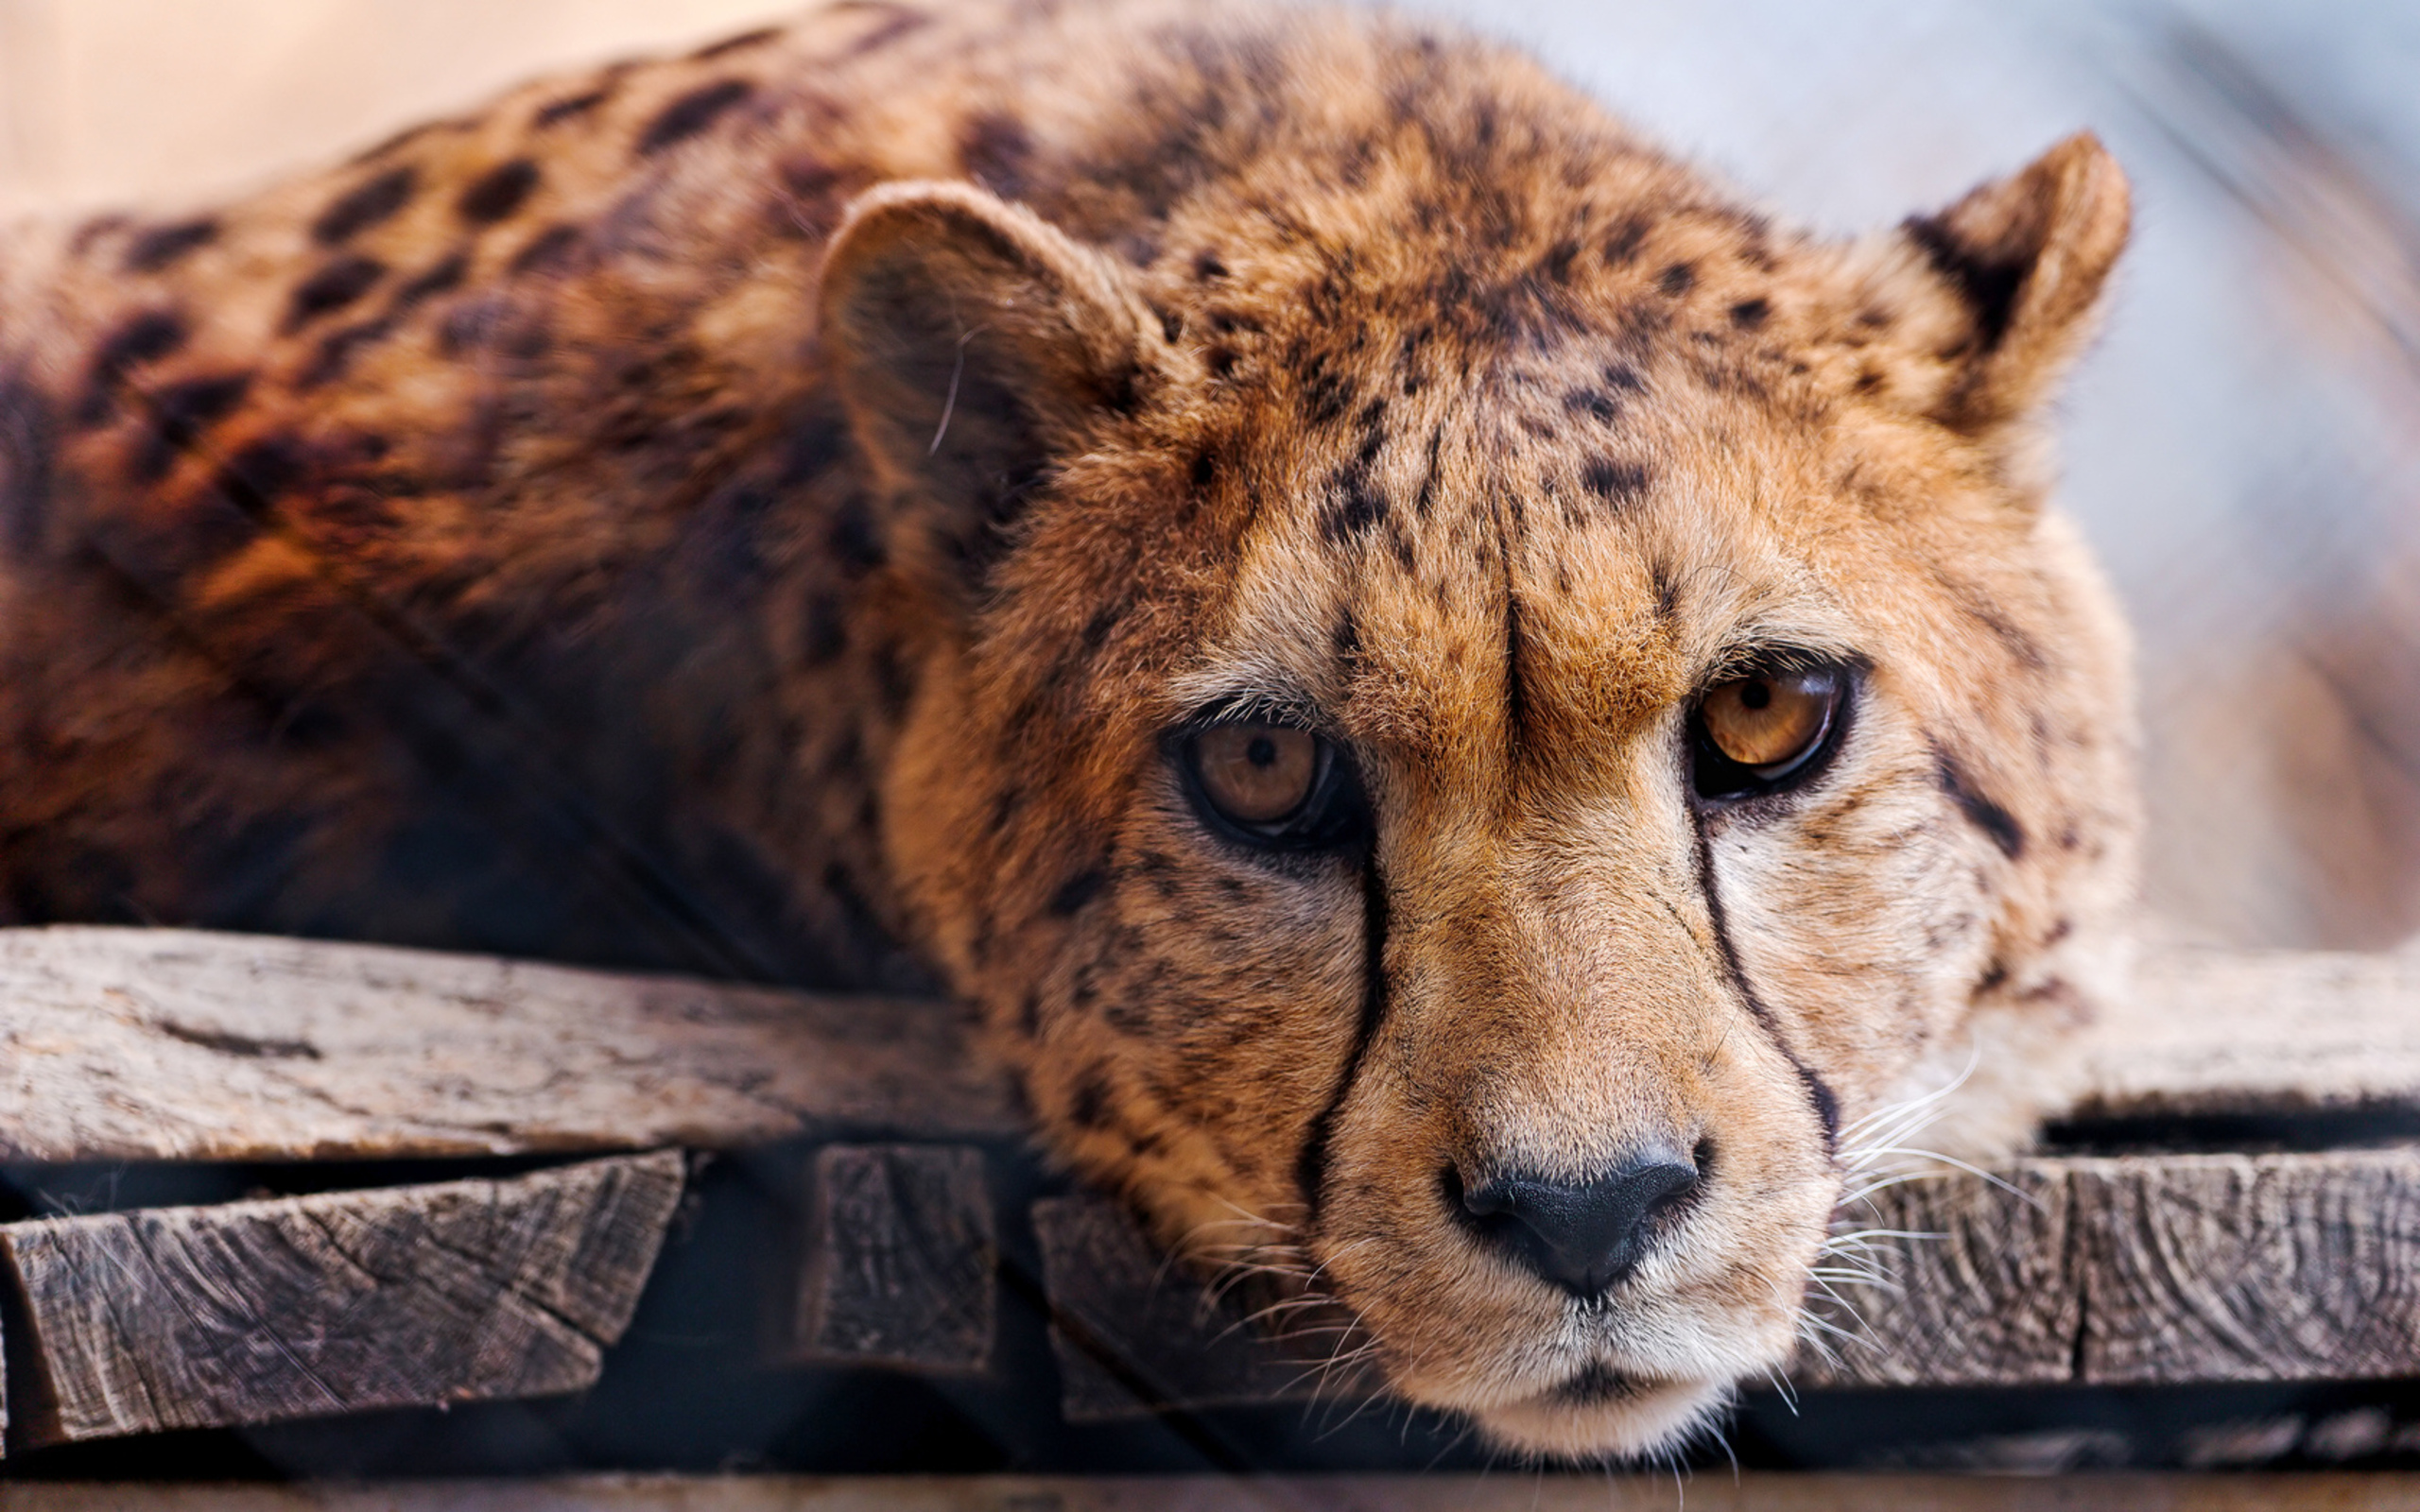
(1271, 786)
(1764, 731)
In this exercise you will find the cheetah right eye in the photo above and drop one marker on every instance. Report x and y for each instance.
(1273, 786)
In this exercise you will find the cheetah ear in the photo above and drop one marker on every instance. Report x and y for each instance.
(2022, 261)
(973, 344)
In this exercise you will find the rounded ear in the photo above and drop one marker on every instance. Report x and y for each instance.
(972, 344)
(2025, 259)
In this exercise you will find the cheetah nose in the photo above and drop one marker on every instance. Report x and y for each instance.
(1584, 1237)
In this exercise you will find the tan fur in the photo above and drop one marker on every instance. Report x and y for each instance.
(737, 580)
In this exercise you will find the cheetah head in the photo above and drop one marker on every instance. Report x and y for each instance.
(1478, 724)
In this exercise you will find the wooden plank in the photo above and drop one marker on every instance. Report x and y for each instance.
(2229, 1031)
(253, 1312)
(1983, 1298)
(177, 1044)
(2229, 1268)
(901, 1261)
(1136, 1334)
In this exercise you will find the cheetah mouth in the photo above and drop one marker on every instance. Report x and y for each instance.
(1597, 1385)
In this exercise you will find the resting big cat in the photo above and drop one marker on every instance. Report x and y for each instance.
(1470, 711)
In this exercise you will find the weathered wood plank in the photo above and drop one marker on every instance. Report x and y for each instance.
(187, 1317)
(1136, 1334)
(1982, 1298)
(2229, 1268)
(2225, 1031)
(175, 1044)
(901, 1260)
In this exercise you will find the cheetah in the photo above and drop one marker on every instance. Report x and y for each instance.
(1470, 709)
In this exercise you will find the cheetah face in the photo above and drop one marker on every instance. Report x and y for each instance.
(1462, 774)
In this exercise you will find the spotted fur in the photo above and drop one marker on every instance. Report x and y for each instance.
(766, 512)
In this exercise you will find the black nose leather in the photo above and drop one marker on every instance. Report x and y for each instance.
(1584, 1237)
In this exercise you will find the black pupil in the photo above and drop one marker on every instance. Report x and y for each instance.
(1757, 695)
(1262, 751)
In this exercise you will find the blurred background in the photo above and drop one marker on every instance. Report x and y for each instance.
(2244, 448)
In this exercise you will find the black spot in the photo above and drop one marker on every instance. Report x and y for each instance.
(892, 682)
(1103, 621)
(1868, 381)
(564, 110)
(1359, 505)
(364, 205)
(1616, 482)
(1556, 264)
(739, 44)
(1171, 325)
(1624, 243)
(444, 275)
(1206, 468)
(26, 463)
(1593, 402)
(1625, 378)
(179, 413)
(1089, 1106)
(1206, 267)
(1677, 279)
(336, 352)
(1751, 314)
(1221, 360)
(146, 338)
(331, 288)
(692, 114)
(548, 250)
(1076, 891)
(158, 248)
(996, 148)
(1982, 812)
(1988, 285)
(1029, 1016)
(498, 192)
(261, 470)
(827, 631)
(854, 541)
(1345, 639)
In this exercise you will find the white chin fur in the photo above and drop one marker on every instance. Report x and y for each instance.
(1656, 1415)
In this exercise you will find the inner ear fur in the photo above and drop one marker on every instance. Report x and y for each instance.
(2022, 262)
(972, 344)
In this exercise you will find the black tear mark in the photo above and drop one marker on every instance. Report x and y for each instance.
(1076, 891)
(1616, 482)
(227, 1043)
(332, 288)
(1820, 1095)
(157, 249)
(1990, 285)
(364, 205)
(1985, 815)
(692, 114)
(1311, 1161)
(497, 193)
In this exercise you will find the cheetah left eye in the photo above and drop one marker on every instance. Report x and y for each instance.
(1763, 731)
(1271, 786)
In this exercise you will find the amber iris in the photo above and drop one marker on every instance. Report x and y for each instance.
(1257, 774)
(1770, 721)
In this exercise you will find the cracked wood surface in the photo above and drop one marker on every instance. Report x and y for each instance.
(901, 1260)
(184, 1045)
(253, 1312)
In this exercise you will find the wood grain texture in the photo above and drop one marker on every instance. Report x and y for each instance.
(1136, 1334)
(174, 1044)
(1973, 1285)
(2225, 1031)
(901, 1260)
(253, 1312)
